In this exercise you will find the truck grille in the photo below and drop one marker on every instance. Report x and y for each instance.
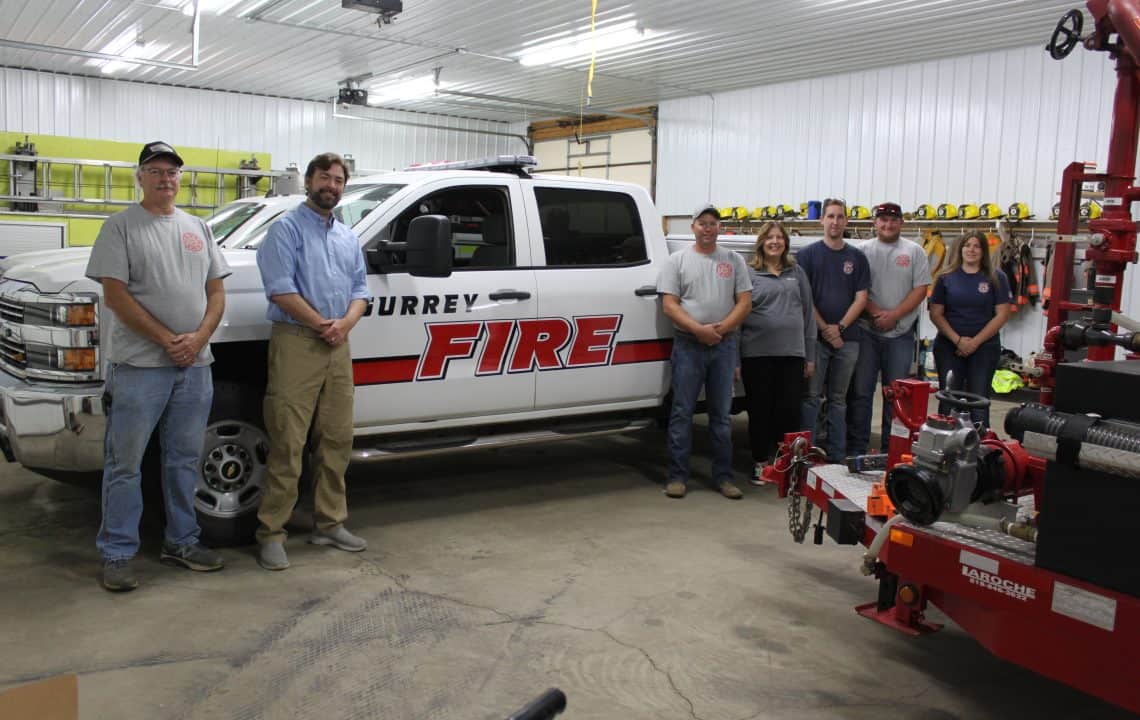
(12, 352)
(36, 345)
(11, 310)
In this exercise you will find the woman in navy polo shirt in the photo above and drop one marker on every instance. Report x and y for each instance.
(970, 303)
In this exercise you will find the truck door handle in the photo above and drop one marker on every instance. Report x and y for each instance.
(646, 291)
(510, 295)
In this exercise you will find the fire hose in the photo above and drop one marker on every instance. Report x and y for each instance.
(1086, 441)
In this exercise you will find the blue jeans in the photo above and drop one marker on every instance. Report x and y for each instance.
(878, 355)
(178, 401)
(695, 366)
(833, 372)
(974, 374)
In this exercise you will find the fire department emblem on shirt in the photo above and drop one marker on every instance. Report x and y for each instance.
(903, 261)
(192, 242)
(983, 287)
(848, 267)
(724, 269)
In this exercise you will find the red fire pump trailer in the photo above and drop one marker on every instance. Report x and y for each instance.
(1027, 543)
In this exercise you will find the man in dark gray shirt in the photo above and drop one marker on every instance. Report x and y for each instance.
(162, 279)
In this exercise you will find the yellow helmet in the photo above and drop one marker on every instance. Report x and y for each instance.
(968, 211)
(991, 211)
(725, 213)
(757, 213)
(803, 209)
(1018, 211)
(925, 212)
(787, 211)
(946, 211)
(770, 212)
(740, 213)
(858, 212)
(1091, 210)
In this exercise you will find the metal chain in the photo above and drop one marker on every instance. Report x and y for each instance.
(799, 506)
(798, 503)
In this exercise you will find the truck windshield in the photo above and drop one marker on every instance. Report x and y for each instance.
(230, 218)
(359, 200)
(355, 205)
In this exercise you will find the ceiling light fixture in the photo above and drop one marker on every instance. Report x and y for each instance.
(255, 11)
(127, 44)
(208, 6)
(401, 90)
(581, 45)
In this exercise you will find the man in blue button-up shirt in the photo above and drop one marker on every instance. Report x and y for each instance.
(315, 279)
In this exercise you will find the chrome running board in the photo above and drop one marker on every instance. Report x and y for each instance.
(413, 447)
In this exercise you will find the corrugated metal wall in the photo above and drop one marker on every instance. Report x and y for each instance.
(994, 127)
(291, 130)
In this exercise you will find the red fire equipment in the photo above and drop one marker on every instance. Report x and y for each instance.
(1026, 543)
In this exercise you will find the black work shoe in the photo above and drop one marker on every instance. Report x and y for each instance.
(119, 576)
(192, 557)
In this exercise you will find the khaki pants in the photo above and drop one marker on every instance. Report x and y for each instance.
(310, 383)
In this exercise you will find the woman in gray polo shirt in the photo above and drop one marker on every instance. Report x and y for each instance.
(777, 348)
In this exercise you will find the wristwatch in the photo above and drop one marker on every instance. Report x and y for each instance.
(841, 326)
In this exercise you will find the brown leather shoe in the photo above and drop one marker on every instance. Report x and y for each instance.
(676, 489)
(730, 491)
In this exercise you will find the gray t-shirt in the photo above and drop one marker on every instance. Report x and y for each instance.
(165, 261)
(705, 284)
(896, 269)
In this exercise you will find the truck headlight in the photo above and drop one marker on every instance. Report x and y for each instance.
(78, 359)
(65, 314)
(75, 315)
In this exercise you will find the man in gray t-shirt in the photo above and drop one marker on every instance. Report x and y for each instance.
(900, 276)
(707, 292)
(162, 281)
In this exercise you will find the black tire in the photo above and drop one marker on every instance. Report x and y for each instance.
(233, 466)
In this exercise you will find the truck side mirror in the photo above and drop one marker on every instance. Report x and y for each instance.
(429, 246)
(425, 253)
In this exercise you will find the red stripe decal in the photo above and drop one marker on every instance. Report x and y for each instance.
(378, 371)
(638, 351)
(381, 371)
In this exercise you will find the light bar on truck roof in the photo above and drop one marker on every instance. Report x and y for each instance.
(501, 163)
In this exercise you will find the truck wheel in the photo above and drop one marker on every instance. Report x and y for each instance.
(233, 466)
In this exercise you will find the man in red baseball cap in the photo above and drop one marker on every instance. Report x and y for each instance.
(900, 276)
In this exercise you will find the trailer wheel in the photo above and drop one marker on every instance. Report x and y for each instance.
(232, 467)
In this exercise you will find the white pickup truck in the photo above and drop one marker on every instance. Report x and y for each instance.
(506, 308)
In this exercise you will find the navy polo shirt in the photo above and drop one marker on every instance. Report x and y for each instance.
(835, 276)
(970, 298)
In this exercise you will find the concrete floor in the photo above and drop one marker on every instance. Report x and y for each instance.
(490, 577)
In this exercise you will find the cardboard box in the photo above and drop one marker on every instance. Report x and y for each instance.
(56, 698)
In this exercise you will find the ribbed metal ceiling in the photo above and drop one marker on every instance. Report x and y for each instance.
(305, 48)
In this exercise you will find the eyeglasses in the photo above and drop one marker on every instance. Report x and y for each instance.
(171, 173)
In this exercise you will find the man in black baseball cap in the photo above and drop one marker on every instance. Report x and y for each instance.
(159, 149)
(161, 274)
